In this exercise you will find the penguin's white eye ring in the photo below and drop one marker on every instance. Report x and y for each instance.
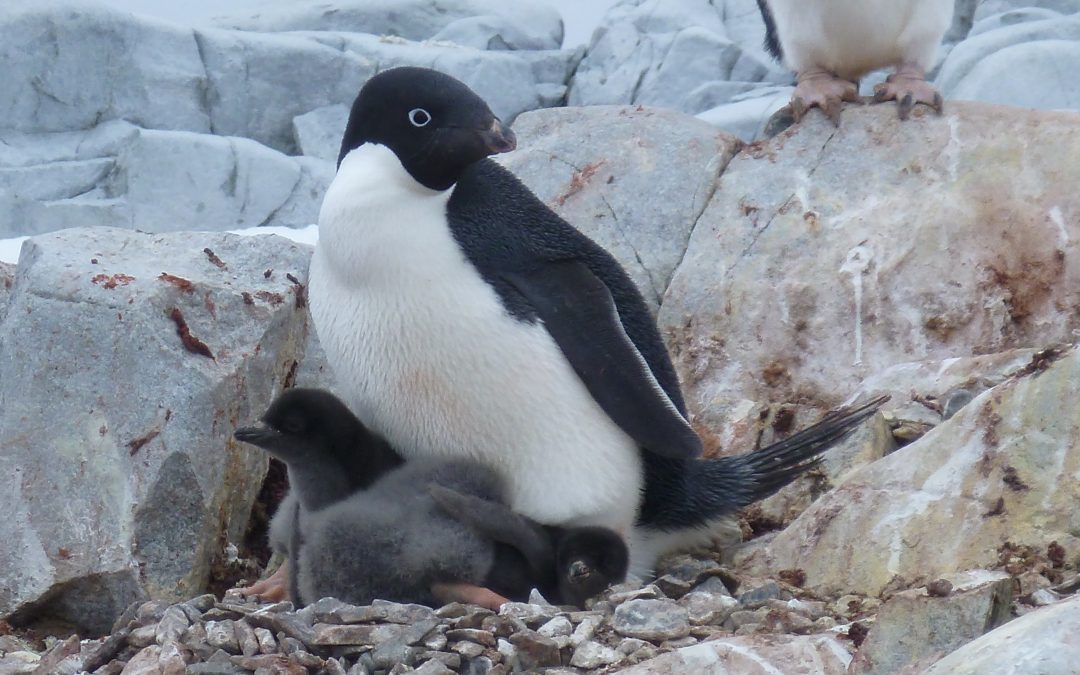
(419, 117)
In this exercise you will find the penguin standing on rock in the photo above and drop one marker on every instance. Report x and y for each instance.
(464, 318)
(830, 44)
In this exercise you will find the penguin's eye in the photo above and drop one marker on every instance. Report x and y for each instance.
(419, 117)
(293, 424)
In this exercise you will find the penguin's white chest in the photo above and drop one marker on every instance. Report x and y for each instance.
(428, 356)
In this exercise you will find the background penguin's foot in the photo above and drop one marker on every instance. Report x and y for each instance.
(908, 86)
(819, 87)
(273, 588)
(468, 594)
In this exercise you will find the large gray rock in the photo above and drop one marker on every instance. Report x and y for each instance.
(104, 64)
(19, 149)
(70, 65)
(753, 655)
(635, 181)
(7, 281)
(963, 17)
(1043, 641)
(915, 625)
(805, 274)
(747, 115)
(986, 8)
(126, 361)
(318, 133)
(660, 52)
(1011, 18)
(256, 84)
(170, 179)
(510, 82)
(523, 24)
(1025, 73)
(651, 620)
(960, 497)
(156, 181)
(497, 33)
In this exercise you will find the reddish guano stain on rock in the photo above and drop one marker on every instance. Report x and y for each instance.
(183, 284)
(191, 343)
(110, 282)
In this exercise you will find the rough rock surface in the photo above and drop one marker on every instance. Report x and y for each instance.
(125, 121)
(226, 82)
(126, 361)
(1041, 641)
(207, 635)
(827, 255)
(283, 78)
(1024, 63)
(231, 635)
(633, 180)
(997, 493)
(318, 133)
(660, 52)
(747, 115)
(119, 175)
(707, 57)
(753, 655)
(155, 77)
(923, 623)
(536, 25)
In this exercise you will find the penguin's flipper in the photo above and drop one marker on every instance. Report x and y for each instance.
(578, 311)
(497, 522)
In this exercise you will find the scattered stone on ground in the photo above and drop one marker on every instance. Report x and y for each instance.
(630, 627)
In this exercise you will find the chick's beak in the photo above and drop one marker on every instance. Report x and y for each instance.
(498, 138)
(260, 436)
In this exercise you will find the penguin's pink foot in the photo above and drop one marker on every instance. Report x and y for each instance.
(818, 87)
(468, 594)
(908, 86)
(273, 588)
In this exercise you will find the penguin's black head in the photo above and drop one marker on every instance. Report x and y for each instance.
(435, 124)
(588, 560)
(303, 422)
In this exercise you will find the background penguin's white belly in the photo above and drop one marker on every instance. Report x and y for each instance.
(426, 355)
(853, 37)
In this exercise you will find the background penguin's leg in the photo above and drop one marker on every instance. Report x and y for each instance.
(818, 87)
(917, 44)
(468, 594)
(908, 86)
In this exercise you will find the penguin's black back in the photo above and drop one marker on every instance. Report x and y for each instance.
(502, 226)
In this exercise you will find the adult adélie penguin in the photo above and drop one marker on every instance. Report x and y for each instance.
(463, 317)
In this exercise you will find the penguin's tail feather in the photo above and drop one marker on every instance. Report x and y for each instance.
(720, 486)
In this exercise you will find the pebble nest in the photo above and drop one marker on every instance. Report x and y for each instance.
(693, 600)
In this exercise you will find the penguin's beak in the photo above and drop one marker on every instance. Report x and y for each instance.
(579, 572)
(498, 138)
(264, 437)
